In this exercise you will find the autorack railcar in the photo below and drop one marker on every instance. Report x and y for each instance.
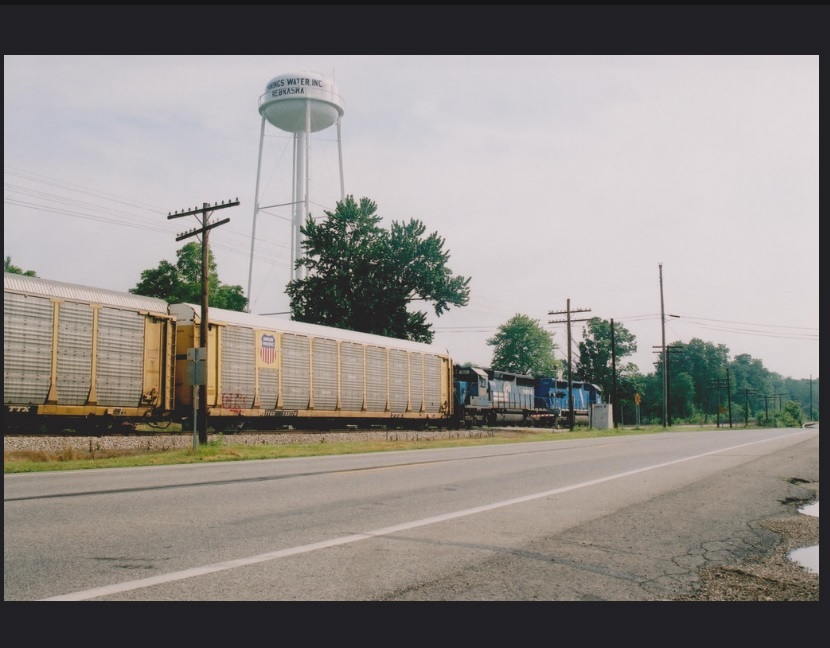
(263, 371)
(83, 357)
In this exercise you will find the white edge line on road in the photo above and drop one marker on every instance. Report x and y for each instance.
(334, 542)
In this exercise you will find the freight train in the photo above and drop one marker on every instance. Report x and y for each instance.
(95, 361)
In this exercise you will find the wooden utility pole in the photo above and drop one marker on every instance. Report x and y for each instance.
(613, 376)
(720, 383)
(206, 210)
(778, 396)
(570, 368)
(666, 352)
(766, 406)
(811, 397)
(665, 359)
(729, 395)
(747, 391)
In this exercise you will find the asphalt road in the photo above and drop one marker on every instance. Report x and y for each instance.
(627, 518)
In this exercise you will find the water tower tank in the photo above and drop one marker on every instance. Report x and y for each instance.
(288, 96)
(302, 104)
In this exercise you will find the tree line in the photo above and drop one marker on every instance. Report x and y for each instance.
(702, 383)
(362, 277)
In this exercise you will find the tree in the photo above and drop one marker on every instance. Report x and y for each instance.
(704, 362)
(626, 408)
(596, 362)
(229, 298)
(8, 266)
(364, 278)
(522, 346)
(682, 396)
(790, 416)
(182, 283)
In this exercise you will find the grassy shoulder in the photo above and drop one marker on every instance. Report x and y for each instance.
(224, 449)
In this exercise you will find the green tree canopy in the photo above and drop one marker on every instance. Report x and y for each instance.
(364, 278)
(522, 346)
(8, 266)
(597, 356)
(182, 283)
(704, 362)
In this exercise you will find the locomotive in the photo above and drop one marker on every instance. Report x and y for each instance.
(490, 397)
(93, 361)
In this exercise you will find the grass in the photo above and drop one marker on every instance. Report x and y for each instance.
(223, 449)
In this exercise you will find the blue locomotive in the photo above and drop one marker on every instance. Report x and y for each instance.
(552, 394)
(490, 397)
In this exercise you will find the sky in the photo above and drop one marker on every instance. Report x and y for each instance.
(663, 192)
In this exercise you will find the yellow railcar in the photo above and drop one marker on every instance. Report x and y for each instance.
(83, 357)
(269, 372)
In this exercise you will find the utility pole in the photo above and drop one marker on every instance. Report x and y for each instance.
(811, 397)
(666, 353)
(747, 391)
(766, 406)
(568, 311)
(613, 376)
(665, 363)
(780, 401)
(206, 211)
(720, 383)
(729, 395)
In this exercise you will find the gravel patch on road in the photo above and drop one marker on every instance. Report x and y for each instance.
(768, 575)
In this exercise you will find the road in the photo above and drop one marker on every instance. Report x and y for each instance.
(626, 518)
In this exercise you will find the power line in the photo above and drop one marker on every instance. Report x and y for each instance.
(689, 317)
(739, 331)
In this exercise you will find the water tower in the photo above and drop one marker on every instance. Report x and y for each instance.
(301, 104)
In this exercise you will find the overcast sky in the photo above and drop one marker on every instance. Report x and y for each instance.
(551, 178)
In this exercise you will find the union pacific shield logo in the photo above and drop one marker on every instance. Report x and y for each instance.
(268, 348)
